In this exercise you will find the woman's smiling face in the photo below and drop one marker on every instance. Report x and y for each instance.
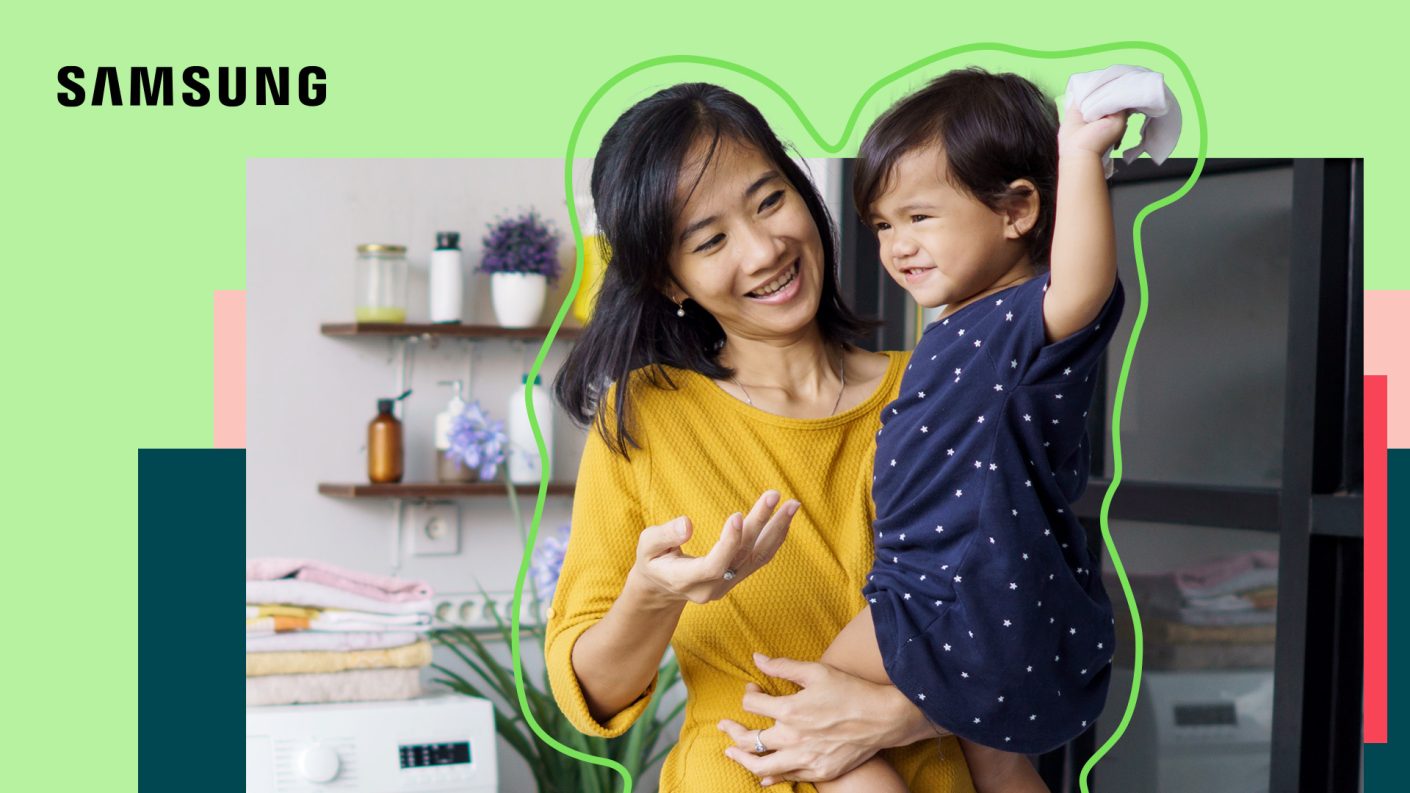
(746, 248)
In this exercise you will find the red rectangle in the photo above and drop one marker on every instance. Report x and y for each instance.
(1375, 560)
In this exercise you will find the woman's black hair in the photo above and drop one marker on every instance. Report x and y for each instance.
(994, 128)
(634, 188)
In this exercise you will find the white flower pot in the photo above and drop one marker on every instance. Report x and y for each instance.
(518, 298)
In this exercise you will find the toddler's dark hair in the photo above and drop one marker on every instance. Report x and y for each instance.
(994, 129)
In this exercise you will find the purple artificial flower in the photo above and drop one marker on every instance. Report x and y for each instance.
(548, 563)
(476, 441)
(523, 244)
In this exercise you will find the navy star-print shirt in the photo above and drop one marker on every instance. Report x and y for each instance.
(988, 610)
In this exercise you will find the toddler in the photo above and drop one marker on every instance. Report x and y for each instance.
(983, 605)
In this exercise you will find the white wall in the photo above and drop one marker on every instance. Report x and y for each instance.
(309, 397)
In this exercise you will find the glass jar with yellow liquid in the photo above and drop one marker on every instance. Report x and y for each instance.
(381, 283)
(595, 256)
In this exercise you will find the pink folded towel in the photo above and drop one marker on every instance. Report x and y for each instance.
(1238, 573)
(370, 585)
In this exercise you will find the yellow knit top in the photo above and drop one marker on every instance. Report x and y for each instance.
(707, 455)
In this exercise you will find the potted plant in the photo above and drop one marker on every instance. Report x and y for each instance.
(486, 676)
(521, 256)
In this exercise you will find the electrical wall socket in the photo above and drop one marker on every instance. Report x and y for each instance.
(433, 528)
(472, 609)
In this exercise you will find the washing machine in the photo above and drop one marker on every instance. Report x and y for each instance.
(437, 744)
(1204, 731)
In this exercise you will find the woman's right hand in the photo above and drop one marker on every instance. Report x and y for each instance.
(747, 542)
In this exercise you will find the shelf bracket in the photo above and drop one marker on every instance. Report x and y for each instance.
(398, 522)
(472, 358)
(404, 355)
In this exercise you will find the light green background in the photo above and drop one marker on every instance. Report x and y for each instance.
(119, 222)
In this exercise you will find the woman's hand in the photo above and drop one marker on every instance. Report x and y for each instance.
(746, 543)
(830, 727)
(1095, 137)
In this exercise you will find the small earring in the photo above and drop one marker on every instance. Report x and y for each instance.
(680, 309)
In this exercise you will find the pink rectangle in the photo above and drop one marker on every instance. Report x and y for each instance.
(1375, 561)
(1387, 325)
(229, 396)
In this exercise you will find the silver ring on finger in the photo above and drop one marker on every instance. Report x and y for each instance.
(759, 747)
(730, 574)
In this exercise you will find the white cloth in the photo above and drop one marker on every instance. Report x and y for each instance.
(1133, 88)
(411, 622)
(293, 592)
(331, 616)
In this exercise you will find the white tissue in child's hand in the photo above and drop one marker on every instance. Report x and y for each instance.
(1135, 89)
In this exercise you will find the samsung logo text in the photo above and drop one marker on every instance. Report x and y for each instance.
(232, 86)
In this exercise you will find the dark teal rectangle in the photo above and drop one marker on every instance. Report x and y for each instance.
(190, 543)
(1388, 768)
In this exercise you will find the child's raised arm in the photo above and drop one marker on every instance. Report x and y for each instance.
(1083, 259)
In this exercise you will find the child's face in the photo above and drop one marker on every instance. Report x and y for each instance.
(938, 242)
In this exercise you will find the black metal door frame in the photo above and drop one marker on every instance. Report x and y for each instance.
(1317, 676)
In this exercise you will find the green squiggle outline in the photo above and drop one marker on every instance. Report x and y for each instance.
(835, 148)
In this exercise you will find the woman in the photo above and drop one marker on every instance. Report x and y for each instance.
(718, 362)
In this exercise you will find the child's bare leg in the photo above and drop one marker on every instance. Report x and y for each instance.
(854, 651)
(997, 771)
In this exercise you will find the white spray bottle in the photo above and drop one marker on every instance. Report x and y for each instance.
(524, 463)
(448, 470)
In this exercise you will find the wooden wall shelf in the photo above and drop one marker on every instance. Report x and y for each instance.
(385, 329)
(436, 490)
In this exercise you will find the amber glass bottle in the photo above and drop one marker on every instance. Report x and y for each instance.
(384, 447)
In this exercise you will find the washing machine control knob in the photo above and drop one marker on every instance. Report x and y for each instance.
(319, 763)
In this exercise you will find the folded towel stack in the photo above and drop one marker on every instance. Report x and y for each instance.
(315, 632)
(1220, 614)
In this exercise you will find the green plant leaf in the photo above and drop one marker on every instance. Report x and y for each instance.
(505, 679)
(479, 666)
